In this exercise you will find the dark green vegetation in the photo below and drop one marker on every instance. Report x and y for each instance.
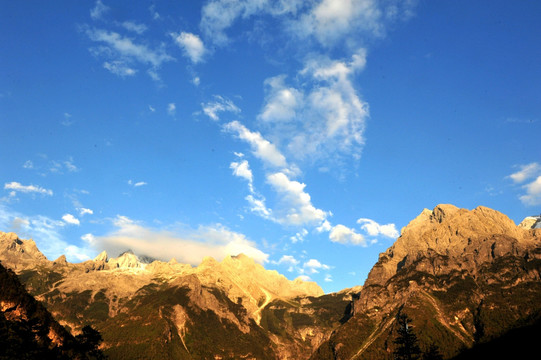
(26, 328)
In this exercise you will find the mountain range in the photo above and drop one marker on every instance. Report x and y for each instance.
(464, 278)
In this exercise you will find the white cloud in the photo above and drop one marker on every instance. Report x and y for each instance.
(533, 188)
(70, 166)
(84, 211)
(44, 231)
(122, 51)
(287, 260)
(171, 109)
(70, 219)
(136, 184)
(344, 235)
(533, 193)
(331, 20)
(213, 108)
(296, 206)
(119, 68)
(328, 278)
(77, 253)
(261, 148)
(299, 236)
(187, 246)
(323, 116)
(258, 206)
(325, 226)
(151, 108)
(282, 102)
(153, 12)
(304, 278)
(28, 164)
(98, 10)
(192, 46)
(372, 228)
(526, 172)
(135, 27)
(313, 266)
(242, 169)
(15, 186)
(89, 238)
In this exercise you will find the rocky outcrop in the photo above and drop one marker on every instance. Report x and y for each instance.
(462, 276)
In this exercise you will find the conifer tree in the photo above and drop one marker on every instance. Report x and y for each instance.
(407, 343)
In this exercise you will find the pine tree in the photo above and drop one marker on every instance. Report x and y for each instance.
(407, 343)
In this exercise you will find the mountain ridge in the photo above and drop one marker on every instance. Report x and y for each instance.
(464, 277)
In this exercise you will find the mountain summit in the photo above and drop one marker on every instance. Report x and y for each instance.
(463, 277)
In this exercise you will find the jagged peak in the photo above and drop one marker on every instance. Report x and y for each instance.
(127, 252)
(102, 256)
(61, 260)
(9, 237)
(208, 261)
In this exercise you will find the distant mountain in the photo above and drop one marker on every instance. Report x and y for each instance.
(463, 277)
(166, 310)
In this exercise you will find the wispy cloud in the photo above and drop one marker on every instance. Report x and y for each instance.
(121, 52)
(171, 109)
(135, 27)
(119, 67)
(321, 117)
(187, 245)
(220, 104)
(137, 183)
(261, 148)
(192, 46)
(85, 211)
(532, 173)
(98, 10)
(526, 172)
(18, 187)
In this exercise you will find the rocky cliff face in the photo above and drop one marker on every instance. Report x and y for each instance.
(167, 310)
(28, 330)
(463, 277)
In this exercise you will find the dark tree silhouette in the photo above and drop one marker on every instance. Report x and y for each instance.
(90, 340)
(407, 343)
(433, 353)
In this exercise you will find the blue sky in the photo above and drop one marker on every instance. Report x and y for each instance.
(305, 134)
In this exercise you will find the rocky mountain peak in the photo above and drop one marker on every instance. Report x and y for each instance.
(102, 257)
(126, 260)
(452, 232)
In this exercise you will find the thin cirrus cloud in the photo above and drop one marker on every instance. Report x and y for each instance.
(185, 245)
(220, 104)
(531, 173)
(122, 53)
(28, 189)
(98, 10)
